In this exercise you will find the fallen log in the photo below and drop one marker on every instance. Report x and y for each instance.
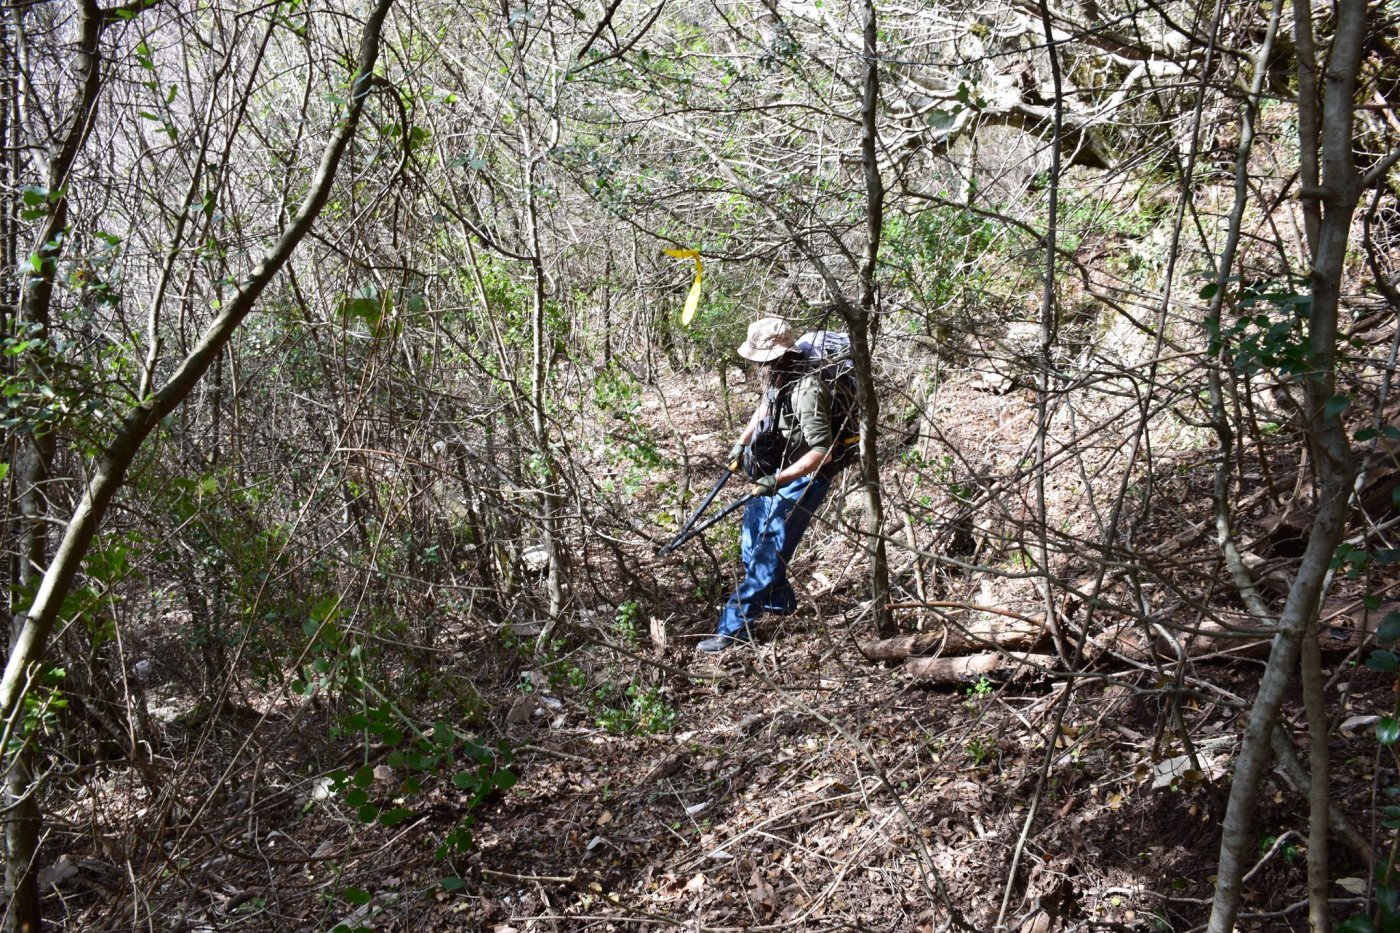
(994, 665)
(1212, 640)
(1016, 634)
(1344, 624)
(1124, 639)
(1134, 642)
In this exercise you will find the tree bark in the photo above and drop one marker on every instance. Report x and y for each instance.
(858, 323)
(1306, 52)
(33, 460)
(992, 664)
(1330, 450)
(1012, 634)
(1320, 779)
(1225, 440)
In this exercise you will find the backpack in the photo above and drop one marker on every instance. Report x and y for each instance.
(828, 355)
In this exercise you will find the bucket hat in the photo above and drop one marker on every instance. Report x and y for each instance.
(768, 339)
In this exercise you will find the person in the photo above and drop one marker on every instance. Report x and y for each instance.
(797, 405)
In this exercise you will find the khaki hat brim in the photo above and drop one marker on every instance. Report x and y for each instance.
(761, 356)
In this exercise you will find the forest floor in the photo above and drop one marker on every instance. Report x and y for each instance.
(790, 784)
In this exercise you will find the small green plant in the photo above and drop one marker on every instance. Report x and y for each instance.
(979, 750)
(729, 542)
(1019, 562)
(1289, 850)
(43, 703)
(326, 672)
(1268, 335)
(644, 712)
(421, 764)
(626, 624)
(628, 441)
(978, 692)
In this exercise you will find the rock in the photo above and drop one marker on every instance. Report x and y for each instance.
(522, 709)
(166, 713)
(57, 873)
(536, 558)
(525, 629)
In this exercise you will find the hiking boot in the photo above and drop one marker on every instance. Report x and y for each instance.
(716, 644)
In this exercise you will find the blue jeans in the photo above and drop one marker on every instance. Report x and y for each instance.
(772, 527)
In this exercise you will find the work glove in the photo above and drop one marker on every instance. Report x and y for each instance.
(766, 486)
(736, 456)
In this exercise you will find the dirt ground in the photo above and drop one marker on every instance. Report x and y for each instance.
(787, 785)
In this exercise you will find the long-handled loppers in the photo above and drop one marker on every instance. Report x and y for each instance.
(689, 531)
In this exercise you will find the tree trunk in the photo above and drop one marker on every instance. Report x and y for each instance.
(858, 324)
(1330, 451)
(33, 461)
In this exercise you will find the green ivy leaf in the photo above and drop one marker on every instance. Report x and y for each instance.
(1383, 661)
(395, 816)
(1388, 731)
(1389, 629)
(358, 896)
(940, 119)
(1335, 406)
(453, 884)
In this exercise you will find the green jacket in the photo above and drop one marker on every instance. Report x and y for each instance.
(806, 421)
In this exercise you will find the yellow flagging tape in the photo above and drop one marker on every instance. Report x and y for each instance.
(693, 299)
